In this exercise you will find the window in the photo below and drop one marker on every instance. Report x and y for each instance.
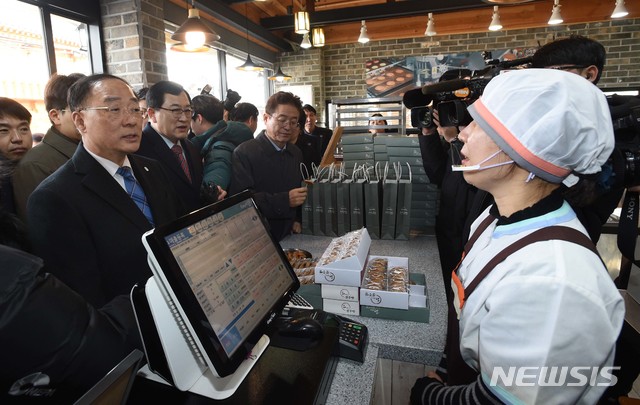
(252, 86)
(27, 67)
(194, 70)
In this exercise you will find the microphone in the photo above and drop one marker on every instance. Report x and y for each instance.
(415, 98)
(446, 86)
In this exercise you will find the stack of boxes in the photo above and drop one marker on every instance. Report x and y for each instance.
(340, 276)
(357, 148)
(424, 200)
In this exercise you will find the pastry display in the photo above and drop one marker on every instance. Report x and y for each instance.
(379, 276)
(341, 248)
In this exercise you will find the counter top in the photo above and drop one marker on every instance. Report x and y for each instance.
(397, 340)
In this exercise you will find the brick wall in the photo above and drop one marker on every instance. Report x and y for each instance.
(133, 33)
(343, 65)
(306, 67)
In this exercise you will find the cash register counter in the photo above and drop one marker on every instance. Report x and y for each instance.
(396, 340)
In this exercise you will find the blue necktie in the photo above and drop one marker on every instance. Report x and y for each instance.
(136, 192)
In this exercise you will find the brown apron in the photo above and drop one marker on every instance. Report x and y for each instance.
(459, 372)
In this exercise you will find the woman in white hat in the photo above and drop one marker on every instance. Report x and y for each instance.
(536, 315)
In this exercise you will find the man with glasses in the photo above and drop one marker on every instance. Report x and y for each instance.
(86, 219)
(58, 145)
(269, 165)
(165, 139)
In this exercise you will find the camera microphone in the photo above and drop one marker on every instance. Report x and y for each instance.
(446, 86)
(415, 98)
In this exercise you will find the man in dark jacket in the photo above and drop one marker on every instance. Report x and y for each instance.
(86, 220)
(269, 165)
(53, 344)
(311, 129)
(165, 140)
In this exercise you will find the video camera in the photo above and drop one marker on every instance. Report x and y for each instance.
(625, 161)
(452, 97)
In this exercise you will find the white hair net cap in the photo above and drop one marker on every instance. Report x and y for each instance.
(549, 122)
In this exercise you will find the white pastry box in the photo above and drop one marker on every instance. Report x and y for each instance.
(341, 307)
(384, 298)
(343, 261)
(340, 292)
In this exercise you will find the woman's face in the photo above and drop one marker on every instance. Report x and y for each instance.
(478, 146)
(377, 122)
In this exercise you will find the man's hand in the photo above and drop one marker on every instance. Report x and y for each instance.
(297, 196)
(434, 375)
(296, 227)
(221, 193)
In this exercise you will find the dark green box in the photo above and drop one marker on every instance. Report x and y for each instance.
(357, 147)
(357, 138)
(312, 293)
(404, 151)
(403, 141)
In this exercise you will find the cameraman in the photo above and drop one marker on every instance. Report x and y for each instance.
(584, 57)
(440, 148)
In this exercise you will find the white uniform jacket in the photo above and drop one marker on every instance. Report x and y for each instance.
(545, 310)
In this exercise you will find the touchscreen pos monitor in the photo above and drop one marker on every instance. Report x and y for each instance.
(224, 278)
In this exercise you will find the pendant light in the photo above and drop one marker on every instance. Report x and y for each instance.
(301, 22)
(495, 25)
(431, 30)
(193, 35)
(306, 44)
(318, 37)
(279, 76)
(363, 38)
(556, 18)
(620, 10)
(248, 65)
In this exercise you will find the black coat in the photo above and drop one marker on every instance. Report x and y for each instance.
(270, 174)
(88, 230)
(46, 327)
(456, 197)
(154, 147)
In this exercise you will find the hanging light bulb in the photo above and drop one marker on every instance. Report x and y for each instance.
(495, 25)
(193, 35)
(620, 10)
(318, 37)
(306, 44)
(279, 76)
(556, 18)
(301, 22)
(248, 65)
(363, 38)
(431, 30)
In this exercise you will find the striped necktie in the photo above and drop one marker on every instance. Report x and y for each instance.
(136, 192)
(177, 149)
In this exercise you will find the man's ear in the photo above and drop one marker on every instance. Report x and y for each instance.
(591, 73)
(54, 116)
(78, 121)
(151, 113)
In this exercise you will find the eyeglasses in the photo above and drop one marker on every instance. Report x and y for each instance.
(117, 112)
(567, 67)
(283, 121)
(177, 112)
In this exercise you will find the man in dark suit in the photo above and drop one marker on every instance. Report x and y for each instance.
(165, 139)
(84, 220)
(311, 129)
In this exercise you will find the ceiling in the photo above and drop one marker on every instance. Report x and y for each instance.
(269, 23)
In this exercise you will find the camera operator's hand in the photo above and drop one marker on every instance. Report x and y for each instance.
(448, 133)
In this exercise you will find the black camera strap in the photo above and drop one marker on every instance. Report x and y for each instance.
(628, 227)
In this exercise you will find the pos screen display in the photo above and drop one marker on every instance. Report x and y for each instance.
(228, 275)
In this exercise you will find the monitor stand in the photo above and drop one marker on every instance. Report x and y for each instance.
(188, 370)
